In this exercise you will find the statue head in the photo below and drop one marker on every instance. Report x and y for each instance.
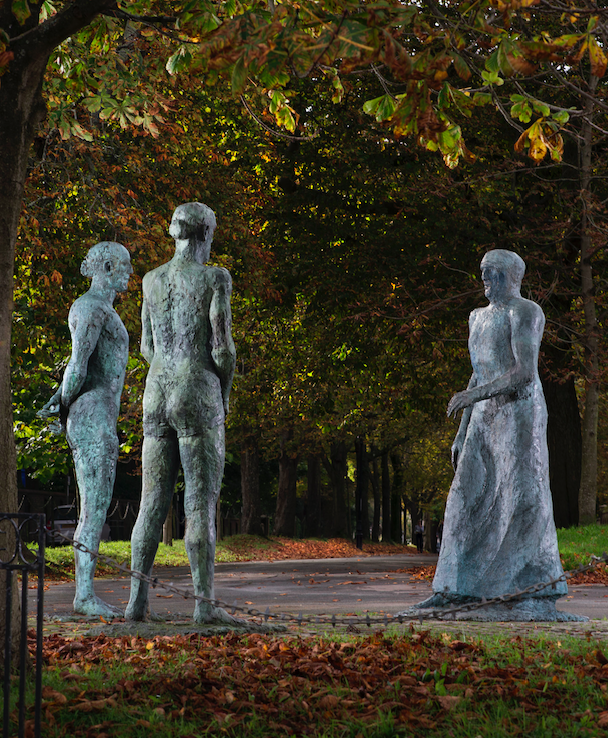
(108, 263)
(502, 272)
(193, 221)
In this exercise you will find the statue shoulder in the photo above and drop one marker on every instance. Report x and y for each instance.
(89, 309)
(151, 276)
(474, 314)
(527, 315)
(220, 278)
(527, 309)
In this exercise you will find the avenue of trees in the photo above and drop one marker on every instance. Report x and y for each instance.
(360, 158)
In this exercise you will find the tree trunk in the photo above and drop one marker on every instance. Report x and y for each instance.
(250, 488)
(314, 525)
(360, 492)
(397, 529)
(564, 443)
(337, 471)
(386, 499)
(285, 514)
(375, 479)
(588, 488)
(22, 109)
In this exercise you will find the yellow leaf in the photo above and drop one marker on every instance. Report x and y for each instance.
(597, 58)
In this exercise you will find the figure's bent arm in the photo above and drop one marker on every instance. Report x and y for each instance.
(223, 352)
(147, 339)
(527, 323)
(464, 424)
(85, 322)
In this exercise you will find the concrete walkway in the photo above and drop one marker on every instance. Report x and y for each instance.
(313, 586)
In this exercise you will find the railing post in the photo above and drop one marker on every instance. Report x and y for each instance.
(24, 560)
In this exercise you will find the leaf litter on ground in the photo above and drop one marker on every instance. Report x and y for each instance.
(407, 682)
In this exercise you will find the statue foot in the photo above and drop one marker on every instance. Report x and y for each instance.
(136, 611)
(93, 606)
(215, 616)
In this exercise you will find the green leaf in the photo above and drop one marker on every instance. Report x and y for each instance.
(541, 108)
(461, 67)
(371, 106)
(382, 107)
(21, 10)
(492, 78)
(339, 90)
(285, 118)
(179, 60)
(93, 103)
(561, 117)
(482, 98)
(522, 111)
(239, 76)
(80, 132)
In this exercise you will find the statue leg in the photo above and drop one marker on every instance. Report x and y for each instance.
(95, 464)
(159, 474)
(202, 460)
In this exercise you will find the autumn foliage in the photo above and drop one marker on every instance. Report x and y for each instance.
(413, 683)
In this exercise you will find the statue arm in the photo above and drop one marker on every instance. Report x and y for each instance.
(85, 326)
(147, 341)
(527, 323)
(462, 428)
(223, 352)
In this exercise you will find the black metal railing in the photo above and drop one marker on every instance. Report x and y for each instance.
(15, 556)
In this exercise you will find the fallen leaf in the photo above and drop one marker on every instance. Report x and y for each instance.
(449, 701)
(51, 694)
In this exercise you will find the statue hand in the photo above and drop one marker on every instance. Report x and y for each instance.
(459, 402)
(51, 408)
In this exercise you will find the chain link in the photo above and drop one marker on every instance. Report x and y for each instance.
(443, 613)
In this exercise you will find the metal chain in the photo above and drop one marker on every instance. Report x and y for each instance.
(443, 613)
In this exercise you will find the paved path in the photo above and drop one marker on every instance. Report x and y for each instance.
(316, 586)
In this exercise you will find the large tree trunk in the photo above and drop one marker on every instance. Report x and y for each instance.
(564, 443)
(361, 517)
(375, 479)
(397, 530)
(22, 109)
(250, 487)
(337, 469)
(314, 524)
(588, 488)
(285, 515)
(386, 499)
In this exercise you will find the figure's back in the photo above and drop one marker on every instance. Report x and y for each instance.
(178, 296)
(183, 389)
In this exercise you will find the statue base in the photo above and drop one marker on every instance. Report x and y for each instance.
(527, 610)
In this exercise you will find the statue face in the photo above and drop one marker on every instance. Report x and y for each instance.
(494, 282)
(122, 270)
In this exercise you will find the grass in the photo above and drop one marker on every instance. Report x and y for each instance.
(405, 683)
(61, 558)
(577, 545)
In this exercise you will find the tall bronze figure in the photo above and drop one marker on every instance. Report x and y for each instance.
(499, 535)
(187, 340)
(88, 401)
